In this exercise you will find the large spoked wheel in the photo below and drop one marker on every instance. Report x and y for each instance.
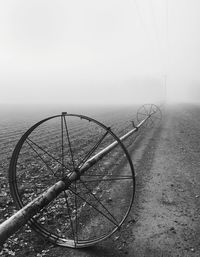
(153, 112)
(96, 204)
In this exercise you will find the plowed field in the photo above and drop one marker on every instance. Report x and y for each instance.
(164, 219)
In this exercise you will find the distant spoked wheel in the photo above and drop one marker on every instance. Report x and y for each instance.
(153, 112)
(96, 203)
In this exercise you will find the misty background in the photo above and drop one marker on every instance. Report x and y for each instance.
(106, 52)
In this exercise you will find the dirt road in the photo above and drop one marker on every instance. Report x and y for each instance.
(168, 200)
(164, 220)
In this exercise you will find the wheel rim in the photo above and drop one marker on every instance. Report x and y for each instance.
(95, 205)
(156, 115)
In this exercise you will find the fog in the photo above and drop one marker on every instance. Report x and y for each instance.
(106, 52)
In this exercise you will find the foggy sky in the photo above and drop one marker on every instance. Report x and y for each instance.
(110, 51)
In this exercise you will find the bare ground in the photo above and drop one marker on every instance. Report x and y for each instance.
(164, 220)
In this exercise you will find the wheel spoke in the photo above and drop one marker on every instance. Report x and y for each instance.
(108, 179)
(88, 155)
(151, 121)
(146, 111)
(69, 214)
(47, 153)
(144, 114)
(69, 143)
(107, 175)
(97, 199)
(108, 218)
(155, 117)
(150, 110)
(48, 167)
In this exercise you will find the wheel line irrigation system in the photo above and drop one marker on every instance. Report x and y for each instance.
(148, 115)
